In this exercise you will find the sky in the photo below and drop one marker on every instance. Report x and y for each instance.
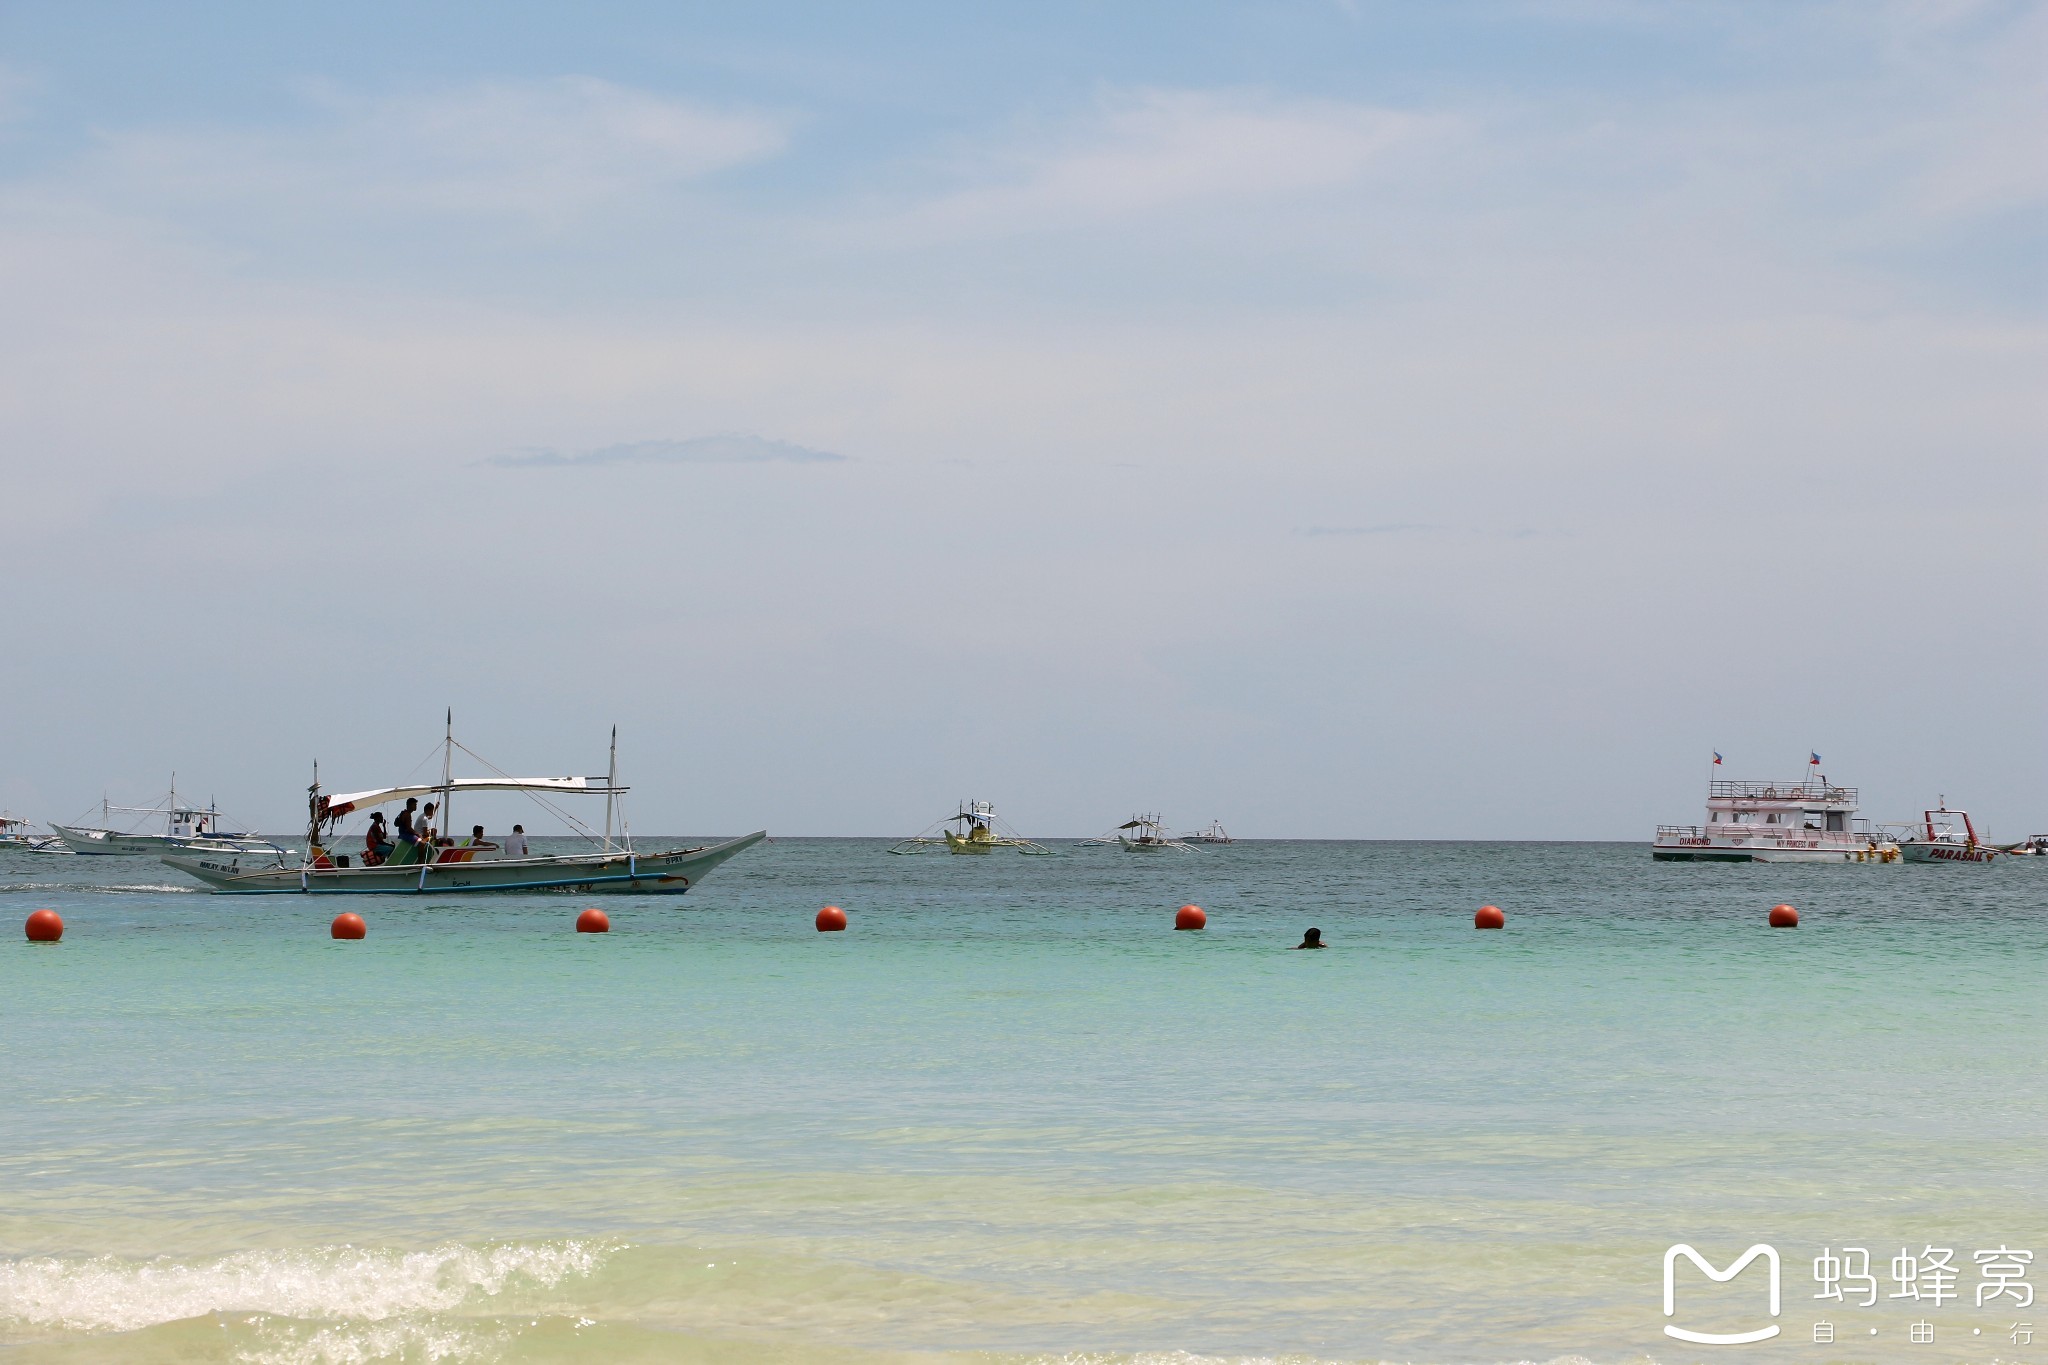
(1339, 419)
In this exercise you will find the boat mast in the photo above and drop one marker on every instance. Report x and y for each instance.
(611, 786)
(447, 767)
(312, 819)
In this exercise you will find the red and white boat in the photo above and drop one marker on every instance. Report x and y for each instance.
(1947, 836)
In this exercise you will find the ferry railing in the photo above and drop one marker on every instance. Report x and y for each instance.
(1782, 791)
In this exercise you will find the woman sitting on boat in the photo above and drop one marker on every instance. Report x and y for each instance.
(376, 843)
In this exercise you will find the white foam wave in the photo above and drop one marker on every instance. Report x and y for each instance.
(106, 1293)
(361, 1343)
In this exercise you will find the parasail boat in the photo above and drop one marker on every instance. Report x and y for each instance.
(1214, 834)
(1947, 836)
(446, 866)
(974, 829)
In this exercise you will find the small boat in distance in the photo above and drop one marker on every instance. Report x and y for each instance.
(184, 825)
(16, 834)
(1948, 836)
(973, 829)
(418, 868)
(1147, 834)
(1809, 821)
(1214, 834)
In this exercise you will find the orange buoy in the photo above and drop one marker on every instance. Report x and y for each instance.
(1190, 917)
(348, 924)
(831, 919)
(593, 921)
(1784, 917)
(44, 926)
(1489, 917)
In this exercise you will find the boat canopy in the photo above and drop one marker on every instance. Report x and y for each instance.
(332, 807)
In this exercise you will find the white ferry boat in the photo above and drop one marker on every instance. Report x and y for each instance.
(1809, 821)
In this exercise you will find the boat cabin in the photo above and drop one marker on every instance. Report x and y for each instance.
(1779, 808)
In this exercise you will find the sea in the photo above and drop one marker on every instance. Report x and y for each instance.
(1012, 1115)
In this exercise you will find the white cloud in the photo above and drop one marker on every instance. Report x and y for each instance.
(544, 150)
(1156, 150)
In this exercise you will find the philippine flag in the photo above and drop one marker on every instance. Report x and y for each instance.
(1813, 758)
(1717, 758)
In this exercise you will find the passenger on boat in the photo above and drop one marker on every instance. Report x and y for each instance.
(515, 843)
(406, 833)
(424, 826)
(476, 838)
(1312, 939)
(376, 841)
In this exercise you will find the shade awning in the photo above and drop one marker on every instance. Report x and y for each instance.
(343, 803)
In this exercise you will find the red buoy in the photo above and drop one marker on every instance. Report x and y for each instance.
(1784, 917)
(44, 926)
(1489, 917)
(593, 921)
(1190, 917)
(831, 920)
(348, 924)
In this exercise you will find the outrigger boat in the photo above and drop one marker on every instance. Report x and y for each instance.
(15, 833)
(185, 826)
(974, 829)
(1940, 840)
(443, 867)
(1147, 834)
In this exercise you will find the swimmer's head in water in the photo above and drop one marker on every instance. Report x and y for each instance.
(1312, 939)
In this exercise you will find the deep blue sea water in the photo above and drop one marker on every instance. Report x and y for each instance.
(1011, 1113)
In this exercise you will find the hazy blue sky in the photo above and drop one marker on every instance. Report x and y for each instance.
(1342, 419)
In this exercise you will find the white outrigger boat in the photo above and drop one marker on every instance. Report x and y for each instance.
(1810, 821)
(417, 868)
(1147, 834)
(185, 826)
(16, 834)
(973, 829)
(1949, 836)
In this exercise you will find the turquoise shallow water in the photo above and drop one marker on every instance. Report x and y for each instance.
(1010, 1113)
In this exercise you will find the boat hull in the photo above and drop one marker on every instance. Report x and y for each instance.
(1704, 852)
(101, 841)
(1924, 851)
(668, 873)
